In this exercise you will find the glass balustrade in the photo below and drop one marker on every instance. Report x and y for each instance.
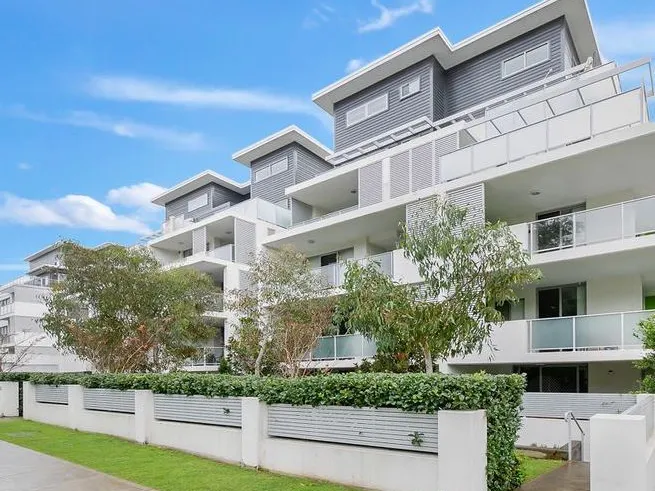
(343, 347)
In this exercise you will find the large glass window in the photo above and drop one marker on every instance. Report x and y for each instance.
(555, 378)
(562, 301)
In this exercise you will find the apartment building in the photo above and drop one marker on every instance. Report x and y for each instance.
(22, 304)
(522, 122)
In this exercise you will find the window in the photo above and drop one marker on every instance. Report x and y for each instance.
(197, 203)
(410, 88)
(367, 110)
(525, 60)
(272, 169)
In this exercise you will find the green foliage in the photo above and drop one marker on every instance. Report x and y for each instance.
(646, 332)
(121, 312)
(500, 396)
(466, 268)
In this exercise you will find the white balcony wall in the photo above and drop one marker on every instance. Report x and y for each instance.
(404, 270)
(615, 294)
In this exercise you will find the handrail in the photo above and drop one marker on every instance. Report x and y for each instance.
(569, 416)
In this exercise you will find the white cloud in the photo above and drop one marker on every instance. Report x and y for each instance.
(160, 92)
(625, 38)
(74, 211)
(121, 127)
(354, 65)
(388, 16)
(24, 166)
(136, 196)
(12, 267)
(322, 14)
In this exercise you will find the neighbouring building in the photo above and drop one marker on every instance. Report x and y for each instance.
(24, 344)
(522, 122)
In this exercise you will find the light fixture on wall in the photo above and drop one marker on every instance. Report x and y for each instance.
(535, 193)
(353, 191)
(228, 232)
(311, 241)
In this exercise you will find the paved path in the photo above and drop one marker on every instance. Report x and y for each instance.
(570, 477)
(25, 470)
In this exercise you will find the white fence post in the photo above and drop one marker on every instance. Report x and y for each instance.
(28, 400)
(462, 451)
(618, 452)
(144, 415)
(254, 421)
(75, 406)
(8, 399)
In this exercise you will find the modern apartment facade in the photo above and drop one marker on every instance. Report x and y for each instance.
(23, 342)
(522, 123)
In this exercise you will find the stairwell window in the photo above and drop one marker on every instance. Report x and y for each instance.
(410, 88)
(367, 110)
(525, 60)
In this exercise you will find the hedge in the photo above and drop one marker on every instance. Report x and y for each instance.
(500, 396)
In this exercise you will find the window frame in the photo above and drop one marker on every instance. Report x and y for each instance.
(269, 169)
(367, 113)
(409, 83)
(197, 202)
(524, 56)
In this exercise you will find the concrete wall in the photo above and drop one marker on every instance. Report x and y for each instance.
(459, 466)
(613, 377)
(614, 294)
(8, 399)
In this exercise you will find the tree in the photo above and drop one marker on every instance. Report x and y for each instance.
(119, 310)
(284, 313)
(646, 332)
(467, 269)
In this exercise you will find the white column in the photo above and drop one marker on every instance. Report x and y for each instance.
(28, 400)
(618, 453)
(462, 451)
(360, 248)
(75, 407)
(254, 421)
(8, 399)
(144, 415)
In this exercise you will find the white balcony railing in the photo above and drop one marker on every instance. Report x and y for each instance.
(7, 308)
(613, 331)
(582, 123)
(343, 347)
(334, 274)
(326, 216)
(627, 220)
(224, 253)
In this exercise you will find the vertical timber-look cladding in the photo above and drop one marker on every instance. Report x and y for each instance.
(480, 79)
(399, 112)
(244, 241)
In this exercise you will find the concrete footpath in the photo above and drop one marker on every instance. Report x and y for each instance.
(573, 476)
(22, 469)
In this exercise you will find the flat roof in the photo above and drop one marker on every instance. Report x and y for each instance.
(436, 43)
(198, 181)
(290, 134)
(43, 252)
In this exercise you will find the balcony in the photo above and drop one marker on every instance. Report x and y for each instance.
(208, 357)
(626, 220)
(223, 253)
(334, 274)
(7, 309)
(616, 331)
(552, 130)
(342, 347)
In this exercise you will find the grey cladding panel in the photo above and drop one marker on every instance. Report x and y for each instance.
(399, 112)
(221, 195)
(109, 400)
(440, 89)
(51, 394)
(272, 188)
(217, 411)
(180, 207)
(399, 174)
(471, 198)
(244, 241)
(480, 79)
(370, 184)
(422, 167)
(308, 164)
(51, 258)
(382, 428)
(584, 406)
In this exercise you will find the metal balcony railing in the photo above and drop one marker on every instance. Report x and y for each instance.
(342, 347)
(626, 220)
(596, 332)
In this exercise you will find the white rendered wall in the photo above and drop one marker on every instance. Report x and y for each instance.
(614, 294)
(8, 399)
(613, 377)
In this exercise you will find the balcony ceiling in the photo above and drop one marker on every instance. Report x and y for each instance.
(332, 194)
(613, 174)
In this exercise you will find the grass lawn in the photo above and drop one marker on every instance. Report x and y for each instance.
(157, 468)
(533, 468)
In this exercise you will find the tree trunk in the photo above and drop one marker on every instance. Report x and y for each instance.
(260, 358)
(427, 355)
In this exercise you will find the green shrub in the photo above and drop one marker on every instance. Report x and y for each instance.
(500, 396)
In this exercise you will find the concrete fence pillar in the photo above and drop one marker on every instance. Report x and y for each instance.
(28, 400)
(8, 399)
(254, 422)
(462, 451)
(75, 406)
(144, 415)
(618, 452)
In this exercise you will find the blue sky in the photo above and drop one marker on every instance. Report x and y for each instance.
(104, 102)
